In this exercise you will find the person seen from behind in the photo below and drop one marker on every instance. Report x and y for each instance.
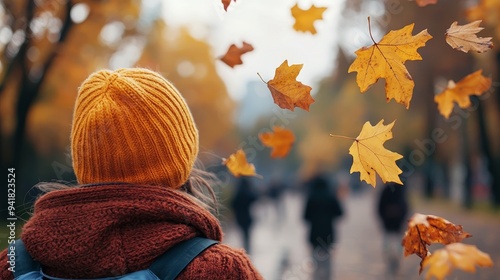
(392, 210)
(134, 144)
(321, 212)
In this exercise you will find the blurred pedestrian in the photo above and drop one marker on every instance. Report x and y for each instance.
(275, 192)
(392, 212)
(242, 202)
(139, 198)
(321, 212)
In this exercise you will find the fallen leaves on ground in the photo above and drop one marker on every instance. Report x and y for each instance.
(463, 37)
(234, 53)
(370, 157)
(304, 19)
(423, 230)
(280, 140)
(287, 92)
(238, 165)
(386, 60)
(460, 92)
(455, 256)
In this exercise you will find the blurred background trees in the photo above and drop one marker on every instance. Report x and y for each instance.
(49, 47)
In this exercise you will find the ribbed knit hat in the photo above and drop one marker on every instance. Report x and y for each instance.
(132, 125)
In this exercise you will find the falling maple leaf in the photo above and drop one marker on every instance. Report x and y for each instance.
(370, 156)
(238, 165)
(233, 54)
(287, 92)
(463, 37)
(386, 60)
(226, 3)
(423, 230)
(472, 84)
(281, 140)
(423, 3)
(455, 255)
(304, 19)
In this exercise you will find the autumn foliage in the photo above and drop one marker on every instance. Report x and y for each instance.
(424, 230)
(386, 59)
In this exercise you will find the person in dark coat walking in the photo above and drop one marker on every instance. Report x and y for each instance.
(321, 211)
(242, 201)
(392, 210)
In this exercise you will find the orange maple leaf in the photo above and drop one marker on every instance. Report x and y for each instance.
(423, 230)
(281, 140)
(423, 3)
(287, 92)
(233, 54)
(472, 84)
(455, 255)
(463, 37)
(370, 157)
(304, 19)
(226, 4)
(238, 165)
(386, 60)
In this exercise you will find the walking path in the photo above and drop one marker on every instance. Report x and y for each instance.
(279, 247)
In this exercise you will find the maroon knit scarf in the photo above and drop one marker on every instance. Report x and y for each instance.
(105, 230)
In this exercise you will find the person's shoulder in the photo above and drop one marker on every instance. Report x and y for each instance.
(221, 262)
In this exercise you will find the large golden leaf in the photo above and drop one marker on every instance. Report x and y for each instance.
(370, 156)
(386, 60)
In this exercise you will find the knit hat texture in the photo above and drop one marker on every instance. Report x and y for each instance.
(132, 125)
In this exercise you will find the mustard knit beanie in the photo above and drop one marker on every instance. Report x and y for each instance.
(132, 125)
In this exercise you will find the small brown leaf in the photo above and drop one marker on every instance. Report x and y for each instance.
(233, 54)
(463, 37)
(423, 230)
(457, 255)
(226, 4)
(281, 140)
(423, 3)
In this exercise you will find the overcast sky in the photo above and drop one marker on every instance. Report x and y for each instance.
(267, 25)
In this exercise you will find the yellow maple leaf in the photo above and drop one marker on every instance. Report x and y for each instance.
(463, 37)
(238, 165)
(281, 140)
(304, 19)
(456, 255)
(472, 84)
(287, 92)
(386, 60)
(370, 156)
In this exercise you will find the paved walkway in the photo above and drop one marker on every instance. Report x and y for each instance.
(280, 251)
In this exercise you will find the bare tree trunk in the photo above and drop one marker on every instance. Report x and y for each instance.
(30, 87)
